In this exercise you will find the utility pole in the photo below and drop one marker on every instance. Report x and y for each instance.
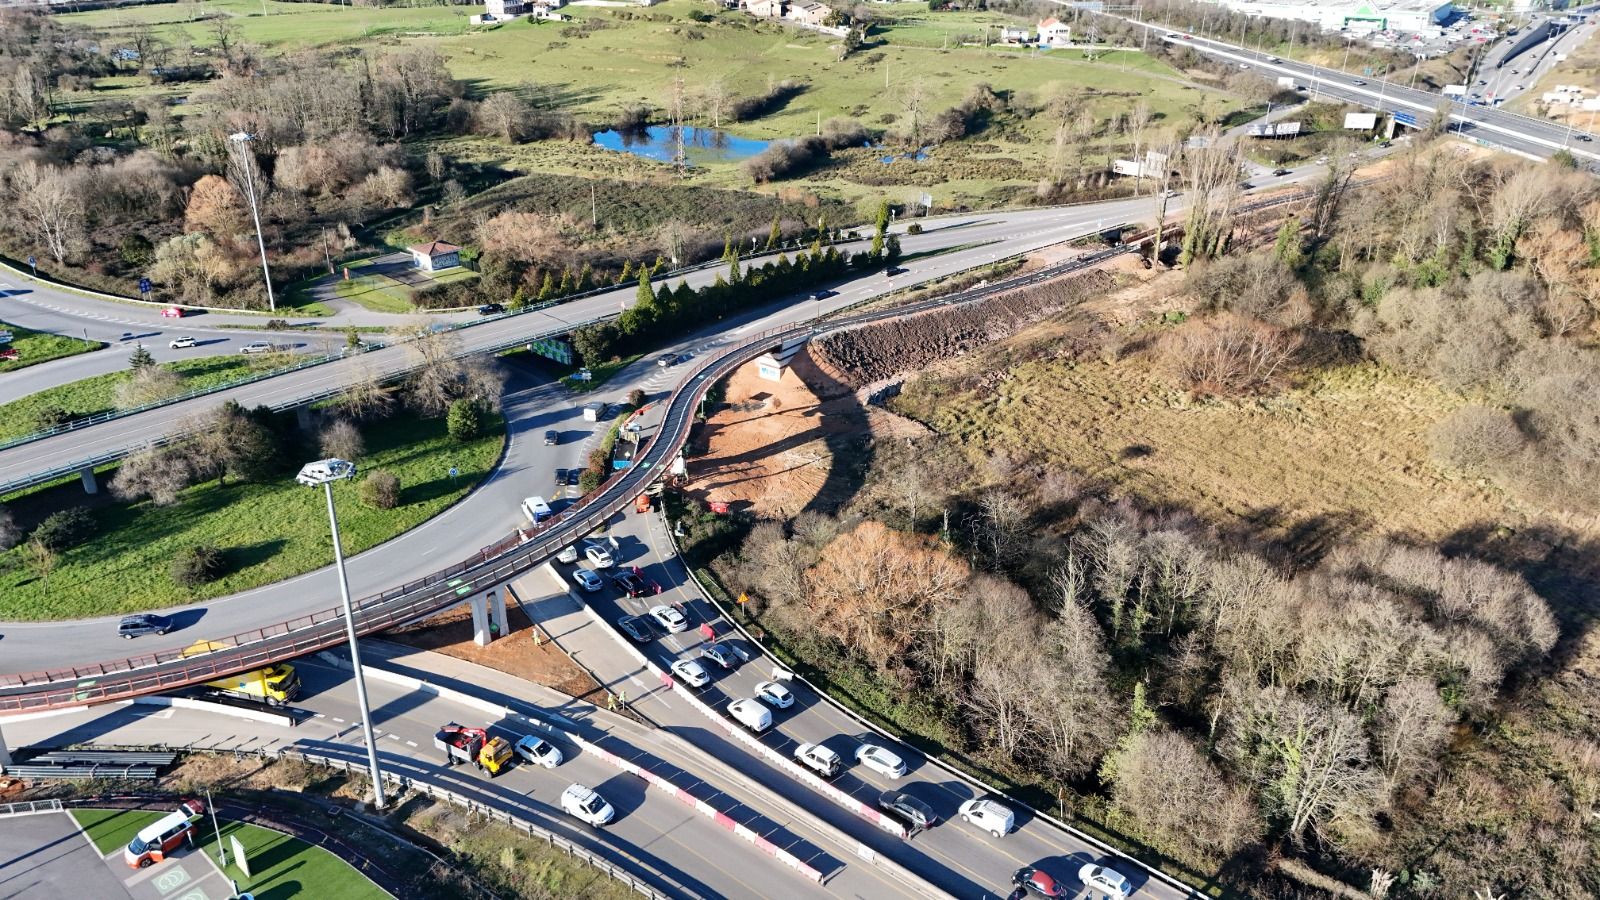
(594, 208)
(222, 852)
(239, 151)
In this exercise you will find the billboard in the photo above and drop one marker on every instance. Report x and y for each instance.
(1126, 167)
(1360, 121)
(1274, 130)
(1455, 90)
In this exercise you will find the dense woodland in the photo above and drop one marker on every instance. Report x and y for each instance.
(1405, 719)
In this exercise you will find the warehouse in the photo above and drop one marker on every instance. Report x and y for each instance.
(1371, 15)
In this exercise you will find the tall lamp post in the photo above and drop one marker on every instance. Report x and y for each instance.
(325, 472)
(239, 150)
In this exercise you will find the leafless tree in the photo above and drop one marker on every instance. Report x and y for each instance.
(40, 559)
(149, 384)
(51, 201)
(443, 374)
(364, 398)
(1410, 730)
(1166, 785)
(505, 115)
(341, 439)
(158, 474)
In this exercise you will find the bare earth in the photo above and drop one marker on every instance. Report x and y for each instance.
(450, 633)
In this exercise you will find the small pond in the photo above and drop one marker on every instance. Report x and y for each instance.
(700, 145)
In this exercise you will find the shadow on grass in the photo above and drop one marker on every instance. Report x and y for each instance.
(247, 555)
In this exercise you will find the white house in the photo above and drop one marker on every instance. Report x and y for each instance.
(1054, 33)
(767, 9)
(809, 13)
(1010, 35)
(505, 9)
(435, 255)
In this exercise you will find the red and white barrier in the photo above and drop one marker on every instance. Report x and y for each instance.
(703, 808)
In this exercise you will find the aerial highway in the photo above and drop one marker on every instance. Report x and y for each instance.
(1538, 138)
(655, 836)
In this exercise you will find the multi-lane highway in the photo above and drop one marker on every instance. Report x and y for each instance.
(656, 836)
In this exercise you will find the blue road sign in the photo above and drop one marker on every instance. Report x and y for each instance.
(1405, 118)
(144, 285)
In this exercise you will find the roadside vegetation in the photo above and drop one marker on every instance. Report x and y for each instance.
(219, 512)
(1286, 581)
(103, 393)
(35, 347)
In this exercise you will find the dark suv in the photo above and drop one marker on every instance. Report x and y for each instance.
(631, 584)
(133, 626)
(908, 810)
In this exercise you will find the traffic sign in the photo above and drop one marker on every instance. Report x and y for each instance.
(743, 598)
(144, 285)
(33, 263)
(1405, 118)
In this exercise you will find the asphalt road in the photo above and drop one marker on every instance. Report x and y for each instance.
(650, 826)
(953, 855)
(1535, 137)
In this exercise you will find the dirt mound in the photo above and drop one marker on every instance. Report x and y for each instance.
(450, 633)
(772, 448)
(876, 352)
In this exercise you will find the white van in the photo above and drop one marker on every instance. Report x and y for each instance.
(568, 554)
(536, 509)
(751, 714)
(987, 815)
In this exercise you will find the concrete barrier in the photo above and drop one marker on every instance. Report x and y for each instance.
(632, 768)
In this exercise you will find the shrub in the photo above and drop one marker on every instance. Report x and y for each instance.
(1229, 355)
(381, 490)
(914, 228)
(636, 398)
(341, 439)
(197, 565)
(590, 479)
(64, 529)
(465, 420)
(1476, 438)
(137, 251)
(9, 532)
(49, 417)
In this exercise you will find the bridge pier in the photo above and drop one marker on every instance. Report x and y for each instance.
(488, 617)
(5, 752)
(90, 484)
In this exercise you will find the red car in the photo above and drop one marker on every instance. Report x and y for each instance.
(9, 353)
(172, 312)
(1038, 883)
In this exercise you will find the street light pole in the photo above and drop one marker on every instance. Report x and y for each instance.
(239, 142)
(326, 472)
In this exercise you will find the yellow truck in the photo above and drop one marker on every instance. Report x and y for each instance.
(274, 685)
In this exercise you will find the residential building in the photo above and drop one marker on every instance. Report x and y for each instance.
(766, 9)
(435, 255)
(1010, 35)
(1054, 33)
(809, 12)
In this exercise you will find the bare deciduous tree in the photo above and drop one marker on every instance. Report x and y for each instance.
(148, 384)
(341, 439)
(51, 201)
(155, 473)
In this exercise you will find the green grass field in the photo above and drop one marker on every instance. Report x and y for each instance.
(97, 394)
(268, 532)
(111, 829)
(281, 866)
(381, 293)
(606, 60)
(34, 347)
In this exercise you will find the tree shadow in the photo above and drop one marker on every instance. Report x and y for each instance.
(247, 555)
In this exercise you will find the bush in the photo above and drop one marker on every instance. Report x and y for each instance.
(197, 565)
(636, 398)
(9, 532)
(465, 420)
(787, 158)
(381, 490)
(65, 529)
(590, 479)
(1476, 438)
(137, 251)
(914, 228)
(49, 417)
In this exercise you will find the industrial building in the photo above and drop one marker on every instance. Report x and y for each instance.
(1361, 16)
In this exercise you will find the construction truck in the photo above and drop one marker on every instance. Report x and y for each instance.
(273, 685)
(465, 744)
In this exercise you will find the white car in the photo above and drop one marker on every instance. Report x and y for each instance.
(694, 674)
(669, 618)
(599, 556)
(881, 760)
(1106, 881)
(586, 805)
(989, 816)
(774, 694)
(181, 343)
(587, 579)
(819, 759)
(256, 347)
(567, 555)
(538, 750)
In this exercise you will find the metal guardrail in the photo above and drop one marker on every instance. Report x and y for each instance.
(29, 808)
(490, 566)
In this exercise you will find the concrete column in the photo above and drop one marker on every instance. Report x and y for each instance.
(302, 418)
(499, 625)
(480, 620)
(5, 752)
(90, 485)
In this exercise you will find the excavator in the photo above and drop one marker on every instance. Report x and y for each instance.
(463, 743)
